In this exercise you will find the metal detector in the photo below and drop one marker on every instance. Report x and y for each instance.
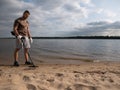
(33, 65)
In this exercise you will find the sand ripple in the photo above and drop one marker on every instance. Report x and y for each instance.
(91, 76)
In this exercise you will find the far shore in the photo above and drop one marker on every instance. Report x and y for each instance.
(71, 37)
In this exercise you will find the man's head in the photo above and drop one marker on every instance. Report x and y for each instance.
(26, 14)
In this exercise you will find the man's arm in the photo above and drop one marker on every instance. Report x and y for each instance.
(15, 30)
(28, 32)
(29, 35)
(15, 27)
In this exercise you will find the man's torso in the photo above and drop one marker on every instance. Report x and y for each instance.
(22, 26)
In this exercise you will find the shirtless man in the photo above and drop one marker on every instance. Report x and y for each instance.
(21, 29)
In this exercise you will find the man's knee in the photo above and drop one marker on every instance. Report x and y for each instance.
(26, 50)
(17, 49)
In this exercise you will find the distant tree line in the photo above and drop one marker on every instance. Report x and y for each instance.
(80, 37)
(75, 37)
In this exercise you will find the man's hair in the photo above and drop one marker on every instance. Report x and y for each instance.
(26, 11)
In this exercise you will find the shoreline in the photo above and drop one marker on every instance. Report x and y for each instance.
(57, 62)
(84, 76)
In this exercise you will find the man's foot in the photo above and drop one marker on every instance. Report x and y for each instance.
(16, 63)
(28, 63)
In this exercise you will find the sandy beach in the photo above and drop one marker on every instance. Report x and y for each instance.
(85, 76)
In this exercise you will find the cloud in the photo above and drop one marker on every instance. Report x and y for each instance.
(100, 23)
(10, 10)
(55, 17)
(98, 28)
(110, 14)
(48, 4)
(106, 12)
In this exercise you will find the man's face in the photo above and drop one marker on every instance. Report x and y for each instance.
(26, 15)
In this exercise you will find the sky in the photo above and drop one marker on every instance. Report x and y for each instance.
(49, 18)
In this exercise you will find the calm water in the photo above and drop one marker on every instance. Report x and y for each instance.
(68, 51)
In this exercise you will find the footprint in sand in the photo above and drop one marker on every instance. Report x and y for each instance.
(84, 87)
(68, 88)
(51, 80)
(26, 78)
(31, 87)
(59, 74)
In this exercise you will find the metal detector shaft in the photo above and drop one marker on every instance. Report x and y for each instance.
(22, 39)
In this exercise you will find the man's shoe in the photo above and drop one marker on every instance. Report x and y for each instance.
(16, 63)
(28, 63)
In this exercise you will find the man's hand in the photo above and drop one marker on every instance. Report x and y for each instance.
(31, 40)
(19, 38)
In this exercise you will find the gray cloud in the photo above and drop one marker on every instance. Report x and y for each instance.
(9, 11)
(53, 17)
(48, 4)
(98, 28)
(97, 23)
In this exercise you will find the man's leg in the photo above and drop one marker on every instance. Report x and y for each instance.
(26, 50)
(16, 57)
(16, 54)
(18, 47)
(27, 62)
(26, 54)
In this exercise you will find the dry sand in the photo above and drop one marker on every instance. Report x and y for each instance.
(85, 76)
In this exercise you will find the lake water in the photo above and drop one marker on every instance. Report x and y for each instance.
(64, 51)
